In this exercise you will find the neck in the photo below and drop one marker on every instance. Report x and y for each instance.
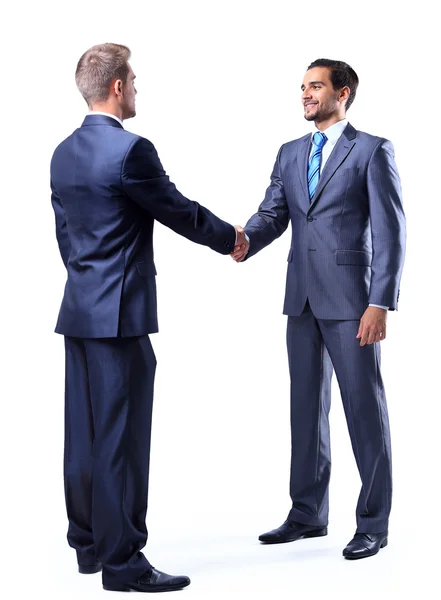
(107, 107)
(326, 123)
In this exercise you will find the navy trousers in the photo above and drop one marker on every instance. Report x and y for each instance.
(108, 416)
(315, 348)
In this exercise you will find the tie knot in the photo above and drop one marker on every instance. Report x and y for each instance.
(319, 139)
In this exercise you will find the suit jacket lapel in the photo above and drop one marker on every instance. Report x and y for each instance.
(302, 164)
(341, 150)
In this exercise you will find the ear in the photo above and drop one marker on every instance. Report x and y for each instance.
(344, 94)
(117, 87)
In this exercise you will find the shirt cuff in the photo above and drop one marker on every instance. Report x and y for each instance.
(378, 306)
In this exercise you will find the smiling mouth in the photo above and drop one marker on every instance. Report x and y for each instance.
(310, 104)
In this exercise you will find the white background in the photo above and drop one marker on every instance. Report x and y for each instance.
(218, 93)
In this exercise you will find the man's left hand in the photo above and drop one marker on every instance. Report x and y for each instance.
(372, 326)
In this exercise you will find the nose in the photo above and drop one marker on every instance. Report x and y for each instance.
(306, 95)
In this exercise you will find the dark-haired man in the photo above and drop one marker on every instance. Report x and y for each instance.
(108, 187)
(341, 191)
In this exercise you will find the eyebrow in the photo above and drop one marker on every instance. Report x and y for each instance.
(302, 87)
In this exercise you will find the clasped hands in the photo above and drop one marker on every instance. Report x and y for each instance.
(242, 245)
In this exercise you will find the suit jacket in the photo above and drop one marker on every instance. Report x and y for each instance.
(108, 187)
(348, 243)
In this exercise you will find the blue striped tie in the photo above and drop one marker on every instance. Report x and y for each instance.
(319, 140)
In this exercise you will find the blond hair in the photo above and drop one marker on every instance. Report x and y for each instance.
(98, 67)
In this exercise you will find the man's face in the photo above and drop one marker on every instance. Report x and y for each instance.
(128, 94)
(319, 98)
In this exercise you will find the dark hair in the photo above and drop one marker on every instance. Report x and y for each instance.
(342, 75)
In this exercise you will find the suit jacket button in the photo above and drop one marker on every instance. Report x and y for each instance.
(310, 219)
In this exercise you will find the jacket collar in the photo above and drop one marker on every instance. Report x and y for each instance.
(100, 120)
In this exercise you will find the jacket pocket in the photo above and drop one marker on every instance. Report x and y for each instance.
(353, 257)
(146, 269)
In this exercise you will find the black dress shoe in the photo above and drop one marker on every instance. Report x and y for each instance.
(363, 545)
(152, 581)
(90, 569)
(290, 531)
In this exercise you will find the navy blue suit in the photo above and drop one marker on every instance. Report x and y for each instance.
(108, 187)
(347, 252)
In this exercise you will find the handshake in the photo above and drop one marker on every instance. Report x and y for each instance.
(242, 244)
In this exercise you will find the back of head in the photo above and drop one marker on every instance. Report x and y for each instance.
(98, 67)
(341, 75)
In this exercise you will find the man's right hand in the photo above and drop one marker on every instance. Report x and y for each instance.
(242, 245)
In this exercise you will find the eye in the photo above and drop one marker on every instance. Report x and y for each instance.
(317, 87)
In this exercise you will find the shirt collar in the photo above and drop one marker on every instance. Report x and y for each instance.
(335, 131)
(98, 112)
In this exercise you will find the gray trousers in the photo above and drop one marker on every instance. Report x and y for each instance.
(315, 348)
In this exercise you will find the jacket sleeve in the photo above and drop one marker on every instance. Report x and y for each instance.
(388, 226)
(272, 217)
(60, 226)
(146, 183)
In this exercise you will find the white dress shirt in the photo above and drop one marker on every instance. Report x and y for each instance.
(333, 134)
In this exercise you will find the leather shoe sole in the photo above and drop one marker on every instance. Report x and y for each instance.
(181, 582)
(357, 556)
(294, 536)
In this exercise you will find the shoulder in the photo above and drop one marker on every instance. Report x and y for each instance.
(374, 148)
(66, 142)
(378, 152)
(140, 144)
(63, 147)
(372, 141)
(139, 149)
(141, 157)
(293, 145)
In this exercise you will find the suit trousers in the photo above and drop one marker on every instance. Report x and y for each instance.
(108, 416)
(316, 347)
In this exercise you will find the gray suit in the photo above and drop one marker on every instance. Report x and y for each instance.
(347, 251)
